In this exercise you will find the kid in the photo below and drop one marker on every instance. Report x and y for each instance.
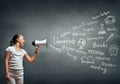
(14, 54)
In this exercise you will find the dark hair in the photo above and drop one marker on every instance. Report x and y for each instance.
(14, 39)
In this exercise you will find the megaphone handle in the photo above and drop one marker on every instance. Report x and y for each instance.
(37, 46)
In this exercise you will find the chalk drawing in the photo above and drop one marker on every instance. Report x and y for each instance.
(110, 36)
(81, 25)
(103, 58)
(74, 57)
(87, 59)
(73, 50)
(96, 45)
(113, 50)
(110, 19)
(78, 34)
(96, 52)
(94, 38)
(65, 34)
(54, 47)
(108, 64)
(111, 29)
(101, 14)
(102, 30)
(77, 44)
(88, 30)
(99, 68)
(81, 42)
(57, 40)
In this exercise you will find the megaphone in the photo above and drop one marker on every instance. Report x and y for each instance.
(38, 42)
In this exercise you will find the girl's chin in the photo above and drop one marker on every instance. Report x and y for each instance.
(22, 45)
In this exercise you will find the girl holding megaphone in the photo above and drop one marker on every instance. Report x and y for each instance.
(14, 54)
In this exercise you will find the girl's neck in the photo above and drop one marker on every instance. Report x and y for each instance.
(17, 45)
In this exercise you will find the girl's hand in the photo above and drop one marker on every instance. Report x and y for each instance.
(7, 76)
(37, 49)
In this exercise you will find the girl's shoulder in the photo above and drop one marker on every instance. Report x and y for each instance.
(9, 48)
(24, 51)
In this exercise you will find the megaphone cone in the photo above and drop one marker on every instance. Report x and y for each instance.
(38, 42)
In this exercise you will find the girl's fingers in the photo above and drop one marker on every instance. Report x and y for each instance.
(38, 46)
(8, 78)
(37, 49)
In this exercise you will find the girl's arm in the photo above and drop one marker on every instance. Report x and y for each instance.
(7, 56)
(32, 59)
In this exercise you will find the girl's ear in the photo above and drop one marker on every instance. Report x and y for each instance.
(17, 39)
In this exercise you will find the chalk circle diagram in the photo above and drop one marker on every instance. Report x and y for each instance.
(81, 43)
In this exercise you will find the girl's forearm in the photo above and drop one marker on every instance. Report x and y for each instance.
(35, 54)
(33, 57)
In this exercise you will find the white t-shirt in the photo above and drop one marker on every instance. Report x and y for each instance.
(16, 58)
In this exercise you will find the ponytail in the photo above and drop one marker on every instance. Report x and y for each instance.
(14, 39)
(11, 43)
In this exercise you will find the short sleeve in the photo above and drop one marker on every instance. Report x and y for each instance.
(8, 49)
(24, 52)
